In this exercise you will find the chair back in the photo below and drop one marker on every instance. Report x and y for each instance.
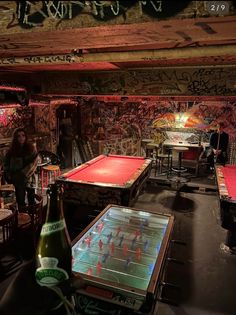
(30, 222)
(8, 229)
(11, 258)
(48, 157)
(34, 212)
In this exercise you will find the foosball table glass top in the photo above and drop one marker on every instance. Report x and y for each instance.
(121, 247)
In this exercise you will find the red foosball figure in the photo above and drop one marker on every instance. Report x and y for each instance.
(90, 271)
(137, 233)
(98, 268)
(125, 249)
(112, 247)
(100, 227)
(100, 244)
(138, 253)
(88, 241)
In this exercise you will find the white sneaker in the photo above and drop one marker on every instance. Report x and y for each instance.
(211, 177)
(226, 249)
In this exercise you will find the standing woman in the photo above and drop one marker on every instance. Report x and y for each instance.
(19, 167)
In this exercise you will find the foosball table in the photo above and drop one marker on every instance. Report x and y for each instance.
(120, 256)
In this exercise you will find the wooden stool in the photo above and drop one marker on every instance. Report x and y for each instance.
(49, 170)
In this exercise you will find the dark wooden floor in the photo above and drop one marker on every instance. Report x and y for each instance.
(207, 277)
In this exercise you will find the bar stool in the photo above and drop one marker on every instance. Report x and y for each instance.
(160, 161)
(49, 170)
(152, 150)
(180, 169)
(144, 143)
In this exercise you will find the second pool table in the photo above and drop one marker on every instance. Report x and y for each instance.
(106, 179)
(226, 182)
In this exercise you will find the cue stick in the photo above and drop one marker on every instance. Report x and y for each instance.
(218, 143)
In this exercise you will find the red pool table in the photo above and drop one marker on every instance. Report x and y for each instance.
(106, 179)
(226, 182)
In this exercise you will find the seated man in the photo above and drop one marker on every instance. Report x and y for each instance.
(218, 147)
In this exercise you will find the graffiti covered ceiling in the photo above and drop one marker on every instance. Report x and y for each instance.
(115, 35)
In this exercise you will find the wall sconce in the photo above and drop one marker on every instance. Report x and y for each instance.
(181, 119)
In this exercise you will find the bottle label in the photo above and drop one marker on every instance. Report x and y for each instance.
(48, 273)
(49, 228)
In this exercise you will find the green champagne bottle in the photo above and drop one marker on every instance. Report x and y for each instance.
(53, 255)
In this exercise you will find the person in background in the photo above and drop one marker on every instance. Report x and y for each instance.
(219, 141)
(19, 166)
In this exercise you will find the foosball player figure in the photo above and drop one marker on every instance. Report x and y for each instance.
(109, 237)
(128, 261)
(138, 253)
(133, 242)
(98, 268)
(125, 249)
(100, 227)
(112, 247)
(118, 231)
(146, 245)
(137, 233)
(121, 239)
(88, 241)
(100, 244)
(105, 257)
(90, 271)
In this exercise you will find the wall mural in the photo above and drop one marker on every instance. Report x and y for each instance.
(118, 127)
(30, 14)
(12, 118)
(109, 126)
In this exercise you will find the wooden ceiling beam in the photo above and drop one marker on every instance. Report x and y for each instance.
(179, 33)
(126, 56)
(160, 54)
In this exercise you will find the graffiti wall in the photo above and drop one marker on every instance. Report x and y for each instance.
(45, 15)
(110, 126)
(179, 81)
(118, 127)
(12, 118)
